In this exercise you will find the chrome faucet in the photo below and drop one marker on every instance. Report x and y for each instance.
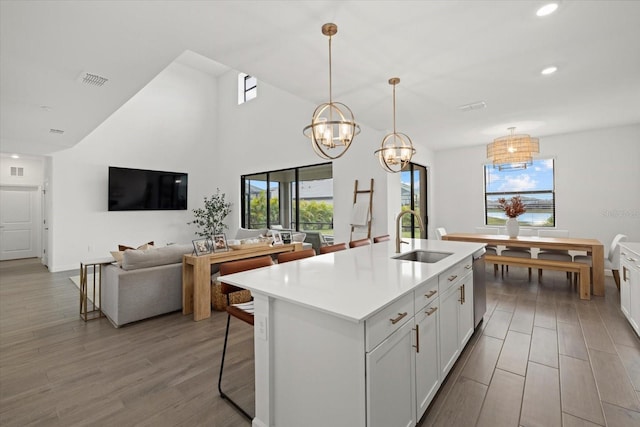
(398, 218)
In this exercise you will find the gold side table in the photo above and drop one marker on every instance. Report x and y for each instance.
(90, 308)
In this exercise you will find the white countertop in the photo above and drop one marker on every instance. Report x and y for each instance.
(355, 283)
(632, 246)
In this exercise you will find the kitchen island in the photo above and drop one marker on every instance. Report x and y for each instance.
(358, 338)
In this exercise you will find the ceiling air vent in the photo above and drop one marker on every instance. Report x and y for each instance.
(56, 131)
(92, 79)
(473, 106)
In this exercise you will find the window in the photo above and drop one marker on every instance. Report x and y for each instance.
(299, 198)
(247, 88)
(534, 185)
(414, 196)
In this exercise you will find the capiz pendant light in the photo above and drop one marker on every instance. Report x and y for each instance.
(397, 149)
(332, 127)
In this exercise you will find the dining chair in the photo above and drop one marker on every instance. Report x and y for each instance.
(360, 242)
(518, 252)
(243, 311)
(440, 231)
(611, 261)
(383, 238)
(333, 248)
(295, 255)
(554, 254)
(491, 249)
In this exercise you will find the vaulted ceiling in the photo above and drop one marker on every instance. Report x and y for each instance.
(447, 54)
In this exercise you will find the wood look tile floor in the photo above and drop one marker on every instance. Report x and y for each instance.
(542, 357)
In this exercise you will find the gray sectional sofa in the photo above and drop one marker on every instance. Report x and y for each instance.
(146, 284)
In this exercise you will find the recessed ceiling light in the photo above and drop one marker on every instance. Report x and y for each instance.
(547, 9)
(15, 156)
(549, 70)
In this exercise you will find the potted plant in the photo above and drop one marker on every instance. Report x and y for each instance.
(512, 209)
(209, 219)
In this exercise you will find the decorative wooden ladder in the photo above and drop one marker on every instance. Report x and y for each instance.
(355, 199)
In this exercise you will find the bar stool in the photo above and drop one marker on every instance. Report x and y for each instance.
(358, 243)
(383, 238)
(243, 311)
(333, 248)
(295, 255)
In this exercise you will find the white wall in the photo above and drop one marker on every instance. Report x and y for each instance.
(33, 168)
(597, 177)
(266, 134)
(169, 125)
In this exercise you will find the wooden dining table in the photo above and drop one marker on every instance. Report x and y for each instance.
(196, 275)
(593, 247)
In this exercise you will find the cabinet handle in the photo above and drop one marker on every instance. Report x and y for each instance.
(417, 346)
(467, 267)
(430, 294)
(624, 273)
(399, 318)
(452, 278)
(431, 311)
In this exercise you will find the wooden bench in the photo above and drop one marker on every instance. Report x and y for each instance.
(583, 270)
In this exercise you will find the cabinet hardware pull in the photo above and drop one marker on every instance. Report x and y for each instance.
(624, 273)
(452, 278)
(417, 346)
(461, 296)
(431, 311)
(468, 267)
(430, 294)
(464, 294)
(399, 318)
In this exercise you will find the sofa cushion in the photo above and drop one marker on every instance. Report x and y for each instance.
(249, 233)
(134, 259)
(117, 255)
(147, 245)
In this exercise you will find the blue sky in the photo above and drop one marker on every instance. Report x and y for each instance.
(537, 177)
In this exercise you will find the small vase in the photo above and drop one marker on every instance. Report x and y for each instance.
(513, 228)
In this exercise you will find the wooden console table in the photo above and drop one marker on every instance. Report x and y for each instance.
(591, 246)
(196, 275)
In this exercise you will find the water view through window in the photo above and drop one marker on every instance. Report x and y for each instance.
(534, 185)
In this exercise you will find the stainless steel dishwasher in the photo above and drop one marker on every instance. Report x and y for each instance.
(479, 287)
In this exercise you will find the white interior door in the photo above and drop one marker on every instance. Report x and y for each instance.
(19, 222)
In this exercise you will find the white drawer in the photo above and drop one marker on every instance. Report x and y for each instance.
(428, 311)
(388, 320)
(451, 276)
(425, 293)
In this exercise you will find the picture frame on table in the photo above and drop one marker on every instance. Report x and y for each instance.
(277, 238)
(219, 243)
(202, 246)
(286, 236)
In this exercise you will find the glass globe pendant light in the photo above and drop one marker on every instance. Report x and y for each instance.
(397, 149)
(332, 127)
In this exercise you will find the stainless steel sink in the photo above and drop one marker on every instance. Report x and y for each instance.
(423, 256)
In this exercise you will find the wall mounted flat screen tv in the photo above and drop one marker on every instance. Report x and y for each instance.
(139, 190)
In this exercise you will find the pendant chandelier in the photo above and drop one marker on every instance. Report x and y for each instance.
(513, 151)
(397, 149)
(332, 127)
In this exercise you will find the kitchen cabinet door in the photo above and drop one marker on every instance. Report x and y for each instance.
(465, 325)
(449, 344)
(427, 354)
(391, 398)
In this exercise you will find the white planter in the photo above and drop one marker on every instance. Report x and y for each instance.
(513, 228)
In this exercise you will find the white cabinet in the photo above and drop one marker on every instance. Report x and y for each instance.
(465, 313)
(630, 286)
(427, 322)
(449, 320)
(390, 381)
(456, 313)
